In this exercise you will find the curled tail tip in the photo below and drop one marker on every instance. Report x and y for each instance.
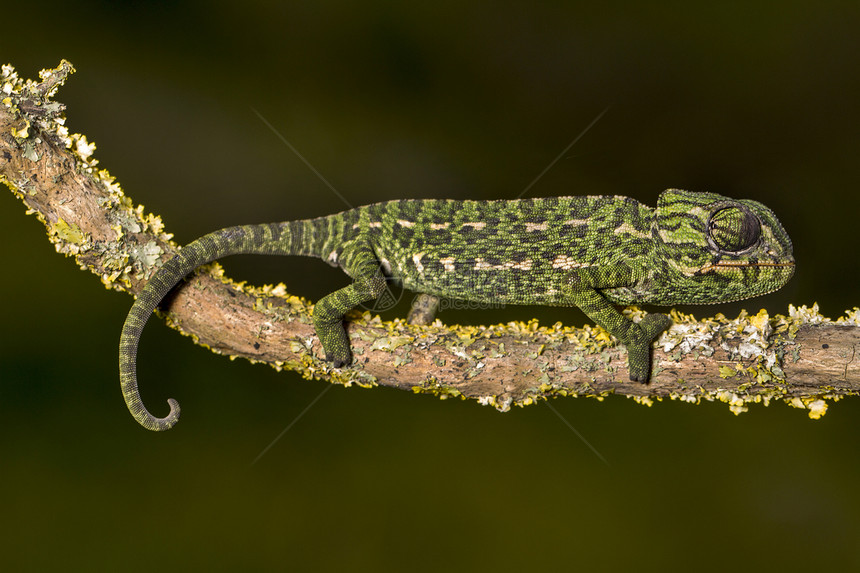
(150, 422)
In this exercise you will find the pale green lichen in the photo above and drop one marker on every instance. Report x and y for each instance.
(390, 343)
(728, 372)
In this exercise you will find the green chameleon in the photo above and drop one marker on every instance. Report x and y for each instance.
(589, 252)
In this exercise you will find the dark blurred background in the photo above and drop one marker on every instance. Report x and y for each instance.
(396, 100)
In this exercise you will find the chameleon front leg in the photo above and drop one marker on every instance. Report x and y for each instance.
(583, 285)
(359, 262)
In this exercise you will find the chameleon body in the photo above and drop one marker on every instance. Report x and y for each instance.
(589, 251)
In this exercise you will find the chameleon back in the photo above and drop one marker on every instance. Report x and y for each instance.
(517, 252)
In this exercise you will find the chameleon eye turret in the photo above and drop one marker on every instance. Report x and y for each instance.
(733, 229)
(590, 252)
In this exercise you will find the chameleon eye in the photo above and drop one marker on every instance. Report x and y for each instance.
(733, 229)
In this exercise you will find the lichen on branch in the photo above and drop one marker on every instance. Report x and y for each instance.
(802, 358)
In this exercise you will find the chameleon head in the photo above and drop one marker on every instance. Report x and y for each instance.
(715, 249)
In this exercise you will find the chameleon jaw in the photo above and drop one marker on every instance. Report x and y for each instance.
(737, 265)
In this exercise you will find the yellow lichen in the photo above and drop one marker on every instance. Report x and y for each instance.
(23, 132)
(816, 406)
(728, 372)
(70, 233)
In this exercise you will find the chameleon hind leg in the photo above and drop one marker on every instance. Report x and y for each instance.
(636, 337)
(423, 309)
(360, 263)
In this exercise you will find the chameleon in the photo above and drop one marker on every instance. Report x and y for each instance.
(592, 252)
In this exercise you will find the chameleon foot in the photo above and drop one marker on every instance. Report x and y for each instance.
(337, 362)
(639, 345)
(335, 343)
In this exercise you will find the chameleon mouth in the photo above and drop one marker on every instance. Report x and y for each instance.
(753, 264)
(736, 265)
(714, 267)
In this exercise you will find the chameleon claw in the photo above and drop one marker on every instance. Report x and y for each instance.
(642, 377)
(337, 362)
(636, 378)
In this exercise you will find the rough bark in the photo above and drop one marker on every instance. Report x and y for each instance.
(803, 359)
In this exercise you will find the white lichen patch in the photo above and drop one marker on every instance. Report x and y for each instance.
(502, 405)
(83, 148)
(685, 336)
(10, 80)
(852, 317)
(806, 315)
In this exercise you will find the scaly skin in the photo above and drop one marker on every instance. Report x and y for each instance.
(589, 252)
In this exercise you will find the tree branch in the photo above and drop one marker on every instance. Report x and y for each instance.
(803, 359)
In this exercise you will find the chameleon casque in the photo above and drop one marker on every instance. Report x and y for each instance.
(589, 251)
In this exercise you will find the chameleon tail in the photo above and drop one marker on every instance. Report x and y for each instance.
(288, 238)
